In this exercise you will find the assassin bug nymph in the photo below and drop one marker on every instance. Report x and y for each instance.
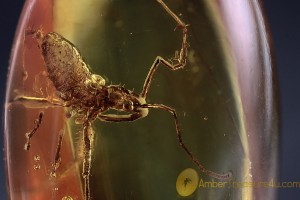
(87, 95)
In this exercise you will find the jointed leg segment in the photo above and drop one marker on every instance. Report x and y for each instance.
(182, 144)
(29, 135)
(57, 158)
(120, 118)
(88, 136)
(179, 58)
(38, 102)
(181, 62)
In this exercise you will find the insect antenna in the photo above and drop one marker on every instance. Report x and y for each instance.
(182, 144)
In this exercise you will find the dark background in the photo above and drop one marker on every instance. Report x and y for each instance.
(284, 21)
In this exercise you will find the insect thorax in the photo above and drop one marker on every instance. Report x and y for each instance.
(121, 99)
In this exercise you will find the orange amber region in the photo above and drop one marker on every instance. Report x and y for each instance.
(29, 172)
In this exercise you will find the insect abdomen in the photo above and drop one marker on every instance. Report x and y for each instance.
(65, 66)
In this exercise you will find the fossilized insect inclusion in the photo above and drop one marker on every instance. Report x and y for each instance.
(142, 159)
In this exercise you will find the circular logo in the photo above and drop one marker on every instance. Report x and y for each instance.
(187, 182)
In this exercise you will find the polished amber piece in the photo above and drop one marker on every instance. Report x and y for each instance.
(225, 99)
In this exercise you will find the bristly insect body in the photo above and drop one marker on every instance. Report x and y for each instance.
(87, 94)
(77, 86)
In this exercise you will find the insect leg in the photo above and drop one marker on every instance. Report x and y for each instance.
(36, 102)
(57, 158)
(182, 144)
(121, 118)
(88, 136)
(180, 57)
(29, 135)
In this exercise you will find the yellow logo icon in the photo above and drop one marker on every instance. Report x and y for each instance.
(187, 182)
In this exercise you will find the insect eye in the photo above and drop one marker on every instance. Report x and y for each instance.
(98, 79)
(128, 105)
